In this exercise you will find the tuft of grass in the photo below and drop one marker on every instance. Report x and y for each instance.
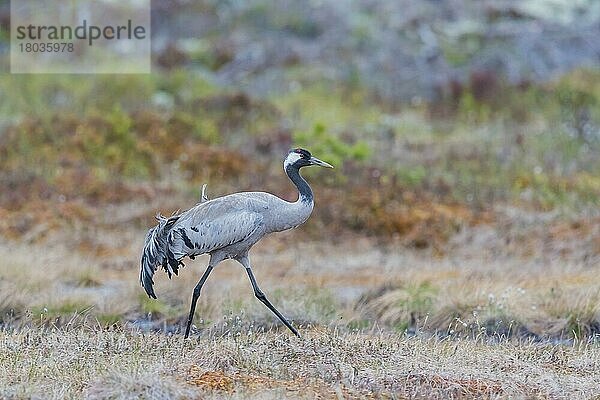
(87, 278)
(401, 305)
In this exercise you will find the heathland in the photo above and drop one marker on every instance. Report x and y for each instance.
(452, 253)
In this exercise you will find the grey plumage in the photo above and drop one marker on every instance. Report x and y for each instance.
(203, 196)
(226, 227)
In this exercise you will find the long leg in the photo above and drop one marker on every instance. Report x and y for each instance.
(261, 296)
(195, 298)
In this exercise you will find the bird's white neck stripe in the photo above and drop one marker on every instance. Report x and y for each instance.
(290, 159)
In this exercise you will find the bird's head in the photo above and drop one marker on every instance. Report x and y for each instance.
(299, 158)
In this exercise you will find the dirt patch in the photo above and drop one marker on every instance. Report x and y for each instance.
(253, 384)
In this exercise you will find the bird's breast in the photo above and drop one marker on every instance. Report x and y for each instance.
(289, 215)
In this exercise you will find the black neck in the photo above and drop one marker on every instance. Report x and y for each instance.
(306, 194)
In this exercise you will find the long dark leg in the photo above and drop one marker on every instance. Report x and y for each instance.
(195, 299)
(261, 296)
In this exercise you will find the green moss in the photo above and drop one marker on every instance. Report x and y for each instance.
(328, 104)
(331, 148)
(156, 307)
(44, 95)
(109, 319)
(359, 324)
(412, 176)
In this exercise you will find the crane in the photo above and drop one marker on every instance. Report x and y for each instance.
(226, 228)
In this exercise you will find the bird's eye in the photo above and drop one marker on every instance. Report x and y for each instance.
(303, 153)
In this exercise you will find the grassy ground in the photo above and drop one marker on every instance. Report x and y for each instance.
(109, 364)
(480, 320)
(537, 281)
(453, 252)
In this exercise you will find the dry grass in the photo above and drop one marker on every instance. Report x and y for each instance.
(501, 312)
(100, 364)
(478, 287)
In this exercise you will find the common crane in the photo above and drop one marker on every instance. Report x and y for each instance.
(226, 228)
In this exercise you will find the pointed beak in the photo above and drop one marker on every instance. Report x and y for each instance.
(316, 161)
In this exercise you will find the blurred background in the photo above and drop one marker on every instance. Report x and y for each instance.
(466, 194)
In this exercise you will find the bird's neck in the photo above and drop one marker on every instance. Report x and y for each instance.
(290, 215)
(304, 190)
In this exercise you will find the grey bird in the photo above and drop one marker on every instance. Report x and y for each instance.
(226, 228)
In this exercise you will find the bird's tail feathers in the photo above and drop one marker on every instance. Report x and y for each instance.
(156, 253)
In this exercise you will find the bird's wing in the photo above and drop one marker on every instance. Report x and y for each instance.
(206, 227)
(215, 224)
